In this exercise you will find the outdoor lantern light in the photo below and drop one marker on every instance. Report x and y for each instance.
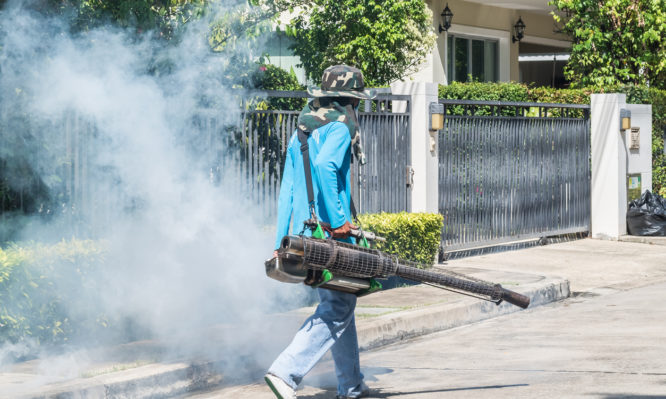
(625, 119)
(436, 123)
(447, 16)
(519, 28)
(436, 116)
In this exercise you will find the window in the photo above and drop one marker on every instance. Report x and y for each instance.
(467, 57)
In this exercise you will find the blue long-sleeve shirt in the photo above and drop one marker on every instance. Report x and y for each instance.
(330, 155)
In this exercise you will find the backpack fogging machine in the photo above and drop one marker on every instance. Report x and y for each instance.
(341, 266)
(326, 263)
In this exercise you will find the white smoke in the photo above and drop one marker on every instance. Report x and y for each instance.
(186, 254)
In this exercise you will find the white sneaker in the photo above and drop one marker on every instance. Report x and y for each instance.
(280, 388)
(361, 391)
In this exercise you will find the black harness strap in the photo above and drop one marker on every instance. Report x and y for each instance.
(353, 208)
(303, 138)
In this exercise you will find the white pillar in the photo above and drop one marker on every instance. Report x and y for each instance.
(425, 160)
(609, 166)
(613, 159)
(640, 161)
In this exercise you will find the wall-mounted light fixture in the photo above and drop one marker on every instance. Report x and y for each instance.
(625, 119)
(436, 116)
(519, 30)
(447, 16)
(436, 123)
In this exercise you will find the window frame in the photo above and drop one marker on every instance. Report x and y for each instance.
(451, 72)
(506, 67)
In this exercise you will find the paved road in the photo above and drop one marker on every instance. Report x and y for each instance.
(598, 346)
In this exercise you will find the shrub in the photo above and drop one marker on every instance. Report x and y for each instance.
(558, 96)
(481, 91)
(38, 283)
(271, 77)
(410, 236)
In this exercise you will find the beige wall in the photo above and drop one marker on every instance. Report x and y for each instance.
(481, 20)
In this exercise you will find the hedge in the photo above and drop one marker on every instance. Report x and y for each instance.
(38, 284)
(523, 93)
(410, 236)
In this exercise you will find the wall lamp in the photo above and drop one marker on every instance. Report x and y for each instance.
(625, 119)
(447, 16)
(436, 116)
(519, 29)
(436, 111)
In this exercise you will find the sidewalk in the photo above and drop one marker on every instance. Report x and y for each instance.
(546, 274)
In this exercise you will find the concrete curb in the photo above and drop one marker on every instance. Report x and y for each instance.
(643, 239)
(150, 381)
(388, 329)
(161, 380)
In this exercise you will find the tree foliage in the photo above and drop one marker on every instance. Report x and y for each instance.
(386, 39)
(162, 16)
(229, 21)
(615, 41)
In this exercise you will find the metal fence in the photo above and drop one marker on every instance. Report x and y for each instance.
(246, 149)
(258, 147)
(46, 170)
(512, 171)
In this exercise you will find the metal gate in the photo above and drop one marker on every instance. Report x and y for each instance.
(382, 185)
(512, 171)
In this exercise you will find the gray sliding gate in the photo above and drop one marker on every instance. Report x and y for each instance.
(512, 171)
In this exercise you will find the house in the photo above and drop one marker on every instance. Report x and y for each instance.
(481, 42)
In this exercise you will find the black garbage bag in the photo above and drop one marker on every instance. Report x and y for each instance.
(646, 216)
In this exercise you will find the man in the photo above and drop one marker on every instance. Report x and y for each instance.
(331, 125)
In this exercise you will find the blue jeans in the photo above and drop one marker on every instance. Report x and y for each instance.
(332, 327)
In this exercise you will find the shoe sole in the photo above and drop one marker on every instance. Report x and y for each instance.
(275, 391)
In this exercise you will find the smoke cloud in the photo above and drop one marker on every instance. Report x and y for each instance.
(183, 253)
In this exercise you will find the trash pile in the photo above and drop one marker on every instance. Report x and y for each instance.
(646, 216)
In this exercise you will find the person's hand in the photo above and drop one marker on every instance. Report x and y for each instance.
(275, 254)
(343, 231)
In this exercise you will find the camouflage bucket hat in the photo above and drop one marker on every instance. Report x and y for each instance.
(342, 81)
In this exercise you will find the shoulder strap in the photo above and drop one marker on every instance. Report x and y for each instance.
(303, 138)
(353, 208)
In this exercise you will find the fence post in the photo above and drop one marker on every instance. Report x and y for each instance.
(425, 160)
(613, 160)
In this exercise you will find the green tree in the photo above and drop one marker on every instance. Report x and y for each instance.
(162, 16)
(386, 39)
(615, 41)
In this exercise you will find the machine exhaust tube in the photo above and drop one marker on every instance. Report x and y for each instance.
(515, 298)
(493, 291)
(292, 244)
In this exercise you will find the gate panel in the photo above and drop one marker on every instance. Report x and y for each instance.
(381, 185)
(505, 175)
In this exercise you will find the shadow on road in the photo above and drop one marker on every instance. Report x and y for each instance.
(379, 393)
